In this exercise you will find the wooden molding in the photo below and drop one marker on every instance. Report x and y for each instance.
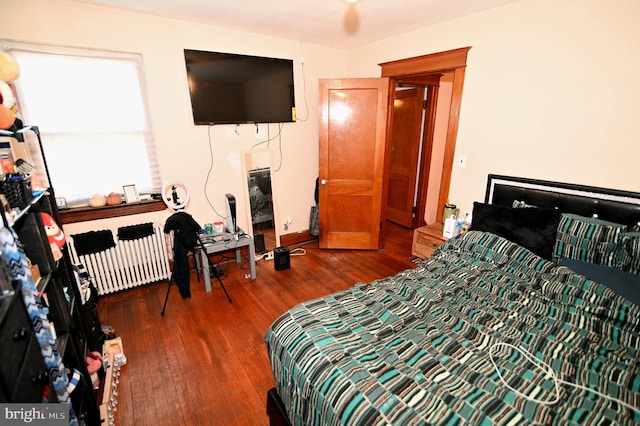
(296, 238)
(429, 65)
(82, 214)
(435, 62)
(452, 134)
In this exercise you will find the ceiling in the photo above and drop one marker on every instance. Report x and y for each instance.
(332, 23)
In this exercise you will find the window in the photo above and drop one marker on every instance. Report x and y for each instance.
(90, 108)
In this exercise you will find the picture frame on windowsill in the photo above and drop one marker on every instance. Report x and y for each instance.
(130, 194)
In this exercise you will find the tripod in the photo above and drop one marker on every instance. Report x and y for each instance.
(172, 280)
(182, 222)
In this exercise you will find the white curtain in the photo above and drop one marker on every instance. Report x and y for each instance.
(90, 107)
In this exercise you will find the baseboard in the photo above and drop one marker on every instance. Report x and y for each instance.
(296, 238)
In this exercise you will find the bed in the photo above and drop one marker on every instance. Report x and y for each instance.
(530, 317)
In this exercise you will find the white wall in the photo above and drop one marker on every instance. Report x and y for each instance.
(185, 150)
(551, 91)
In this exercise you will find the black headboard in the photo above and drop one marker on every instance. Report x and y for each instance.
(607, 204)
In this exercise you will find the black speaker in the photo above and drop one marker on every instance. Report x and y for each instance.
(281, 258)
(232, 220)
(258, 242)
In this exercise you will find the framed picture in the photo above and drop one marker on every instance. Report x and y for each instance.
(130, 193)
(61, 203)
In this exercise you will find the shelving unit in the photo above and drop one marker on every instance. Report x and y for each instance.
(58, 309)
(23, 371)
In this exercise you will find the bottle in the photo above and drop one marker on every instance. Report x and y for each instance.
(449, 227)
(448, 210)
(466, 222)
(458, 229)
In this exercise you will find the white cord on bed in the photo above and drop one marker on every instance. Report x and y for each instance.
(546, 368)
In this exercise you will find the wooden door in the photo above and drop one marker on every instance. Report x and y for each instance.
(404, 156)
(353, 123)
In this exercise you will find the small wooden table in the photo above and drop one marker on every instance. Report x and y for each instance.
(427, 239)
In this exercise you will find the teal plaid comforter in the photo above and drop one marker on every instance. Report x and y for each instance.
(413, 349)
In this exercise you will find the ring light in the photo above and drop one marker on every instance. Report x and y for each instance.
(170, 195)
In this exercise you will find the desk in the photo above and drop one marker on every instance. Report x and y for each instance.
(218, 243)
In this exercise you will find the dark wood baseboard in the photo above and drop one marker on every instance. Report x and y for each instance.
(296, 238)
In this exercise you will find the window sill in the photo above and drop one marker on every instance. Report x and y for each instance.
(83, 214)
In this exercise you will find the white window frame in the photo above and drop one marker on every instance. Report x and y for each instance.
(95, 128)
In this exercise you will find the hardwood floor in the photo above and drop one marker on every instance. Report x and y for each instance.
(205, 361)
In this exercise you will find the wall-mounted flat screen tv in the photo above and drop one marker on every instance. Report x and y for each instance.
(228, 88)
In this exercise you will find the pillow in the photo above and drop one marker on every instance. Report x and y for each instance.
(532, 228)
(629, 252)
(623, 283)
(587, 239)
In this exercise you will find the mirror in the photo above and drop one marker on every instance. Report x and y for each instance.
(259, 193)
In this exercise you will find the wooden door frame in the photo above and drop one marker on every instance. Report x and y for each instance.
(454, 61)
(425, 156)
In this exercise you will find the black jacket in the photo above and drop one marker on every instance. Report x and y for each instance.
(184, 227)
(185, 236)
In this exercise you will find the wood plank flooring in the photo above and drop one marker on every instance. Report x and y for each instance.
(205, 361)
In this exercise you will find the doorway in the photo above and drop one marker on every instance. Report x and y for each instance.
(417, 152)
(355, 180)
(442, 75)
(409, 107)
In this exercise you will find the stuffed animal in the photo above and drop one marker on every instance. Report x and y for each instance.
(54, 232)
(7, 117)
(9, 71)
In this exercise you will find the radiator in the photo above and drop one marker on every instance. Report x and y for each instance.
(127, 265)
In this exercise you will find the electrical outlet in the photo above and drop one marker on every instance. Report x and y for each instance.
(268, 255)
